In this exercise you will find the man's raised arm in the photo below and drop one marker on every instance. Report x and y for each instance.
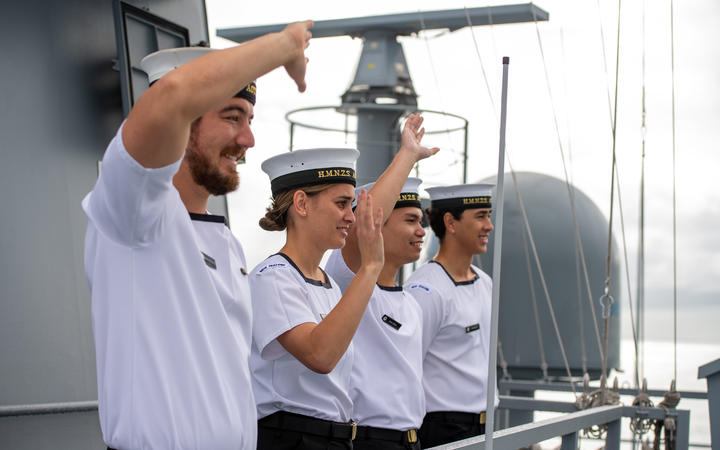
(158, 127)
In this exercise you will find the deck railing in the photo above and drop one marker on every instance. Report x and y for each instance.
(570, 425)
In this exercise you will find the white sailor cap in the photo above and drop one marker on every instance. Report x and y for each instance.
(310, 167)
(159, 63)
(409, 194)
(463, 196)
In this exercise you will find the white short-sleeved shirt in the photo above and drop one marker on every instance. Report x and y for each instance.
(171, 314)
(284, 298)
(338, 270)
(456, 337)
(387, 389)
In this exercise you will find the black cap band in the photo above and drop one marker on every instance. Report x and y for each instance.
(312, 177)
(406, 199)
(484, 201)
(248, 92)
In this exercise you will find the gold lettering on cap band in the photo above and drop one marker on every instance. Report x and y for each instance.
(481, 202)
(312, 177)
(476, 200)
(408, 197)
(325, 173)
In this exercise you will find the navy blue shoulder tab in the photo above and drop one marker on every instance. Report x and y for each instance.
(326, 284)
(458, 283)
(208, 218)
(390, 288)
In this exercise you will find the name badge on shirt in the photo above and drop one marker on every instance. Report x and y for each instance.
(392, 322)
(471, 328)
(210, 261)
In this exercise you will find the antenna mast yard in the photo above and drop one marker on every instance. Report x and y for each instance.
(382, 90)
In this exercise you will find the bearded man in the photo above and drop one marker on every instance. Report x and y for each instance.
(171, 306)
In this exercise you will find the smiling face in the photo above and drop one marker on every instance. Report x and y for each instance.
(330, 216)
(217, 141)
(472, 230)
(403, 235)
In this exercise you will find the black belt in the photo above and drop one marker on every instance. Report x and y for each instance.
(309, 425)
(460, 417)
(385, 434)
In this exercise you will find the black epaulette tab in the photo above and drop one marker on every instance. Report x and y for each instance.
(210, 261)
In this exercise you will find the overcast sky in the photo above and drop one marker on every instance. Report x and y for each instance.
(447, 74)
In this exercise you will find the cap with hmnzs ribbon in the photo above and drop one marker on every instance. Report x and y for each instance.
(310, 167)
(409, 195)
(462, 196)
(158, 64)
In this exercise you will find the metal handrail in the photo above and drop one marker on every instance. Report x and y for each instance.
(516, 385)
(567, 426)
(48, 408)
(531, 433)
(531, 404)
(371, 107)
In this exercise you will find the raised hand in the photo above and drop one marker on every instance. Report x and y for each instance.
(368, 226)
(299, 33)
(412, 135)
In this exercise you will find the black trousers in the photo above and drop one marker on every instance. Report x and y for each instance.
(374, 438)
(441, 428)
(274, 436)
(269, 439)
(377, 444)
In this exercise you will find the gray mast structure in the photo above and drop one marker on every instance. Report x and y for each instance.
(382, 90)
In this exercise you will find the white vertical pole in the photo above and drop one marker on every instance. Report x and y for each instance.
(497, 256)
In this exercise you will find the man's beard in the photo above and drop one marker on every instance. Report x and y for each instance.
(206, 174)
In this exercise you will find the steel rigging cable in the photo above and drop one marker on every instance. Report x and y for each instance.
(570, 189)
(527, 234)
(672, 70)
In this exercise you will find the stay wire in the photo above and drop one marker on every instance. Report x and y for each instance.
(545, 288)
(435, 77)
(544, 364)
(675, 289)
(482, 65)
(492, 34)
(627, 275)
(616, 172)
(565, 100)
(640, 296)
(571, 192)
(581, 314)
(608, 273)
(531, 280)
(613, 111)
(568, 126)
(604, 62)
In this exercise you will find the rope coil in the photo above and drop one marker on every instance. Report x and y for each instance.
(640, 424)
(670, 401)
(598, 397)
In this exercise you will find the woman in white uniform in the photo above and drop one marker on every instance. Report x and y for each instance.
(455, 298)
(301, 357)
(387, 394)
